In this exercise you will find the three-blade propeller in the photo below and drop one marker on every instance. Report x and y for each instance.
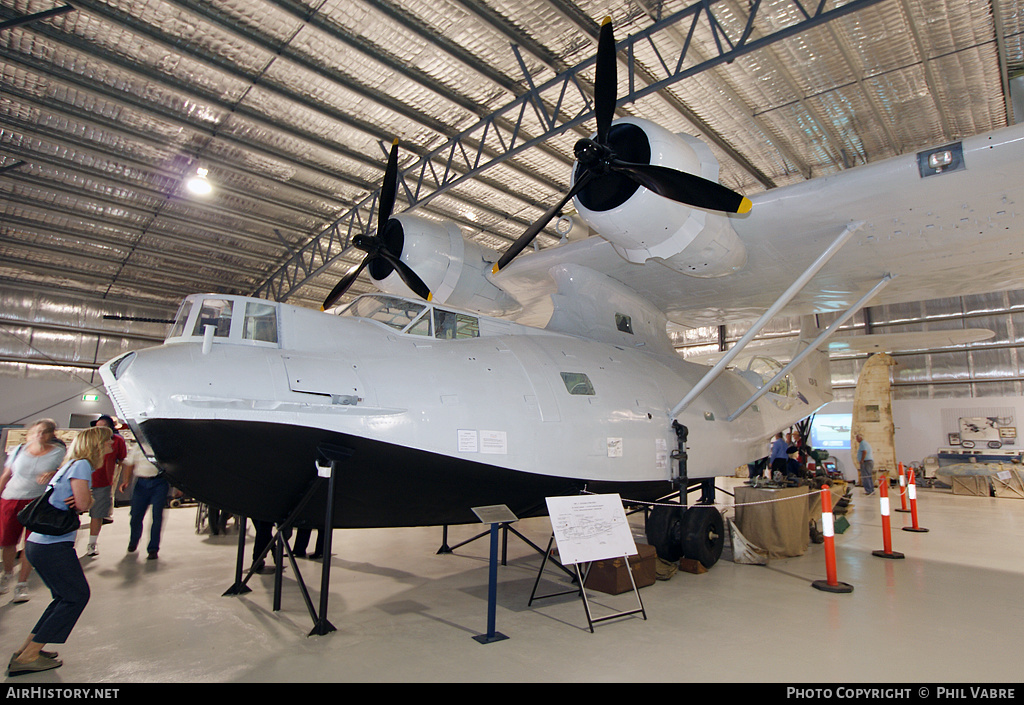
(596, 158)
(375, 246)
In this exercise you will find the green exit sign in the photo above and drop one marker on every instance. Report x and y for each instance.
(90, 397)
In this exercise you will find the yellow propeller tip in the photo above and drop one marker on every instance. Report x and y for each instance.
(430, 297)
(606, 20)
(394, 142)
(745, 206)
(494, 269)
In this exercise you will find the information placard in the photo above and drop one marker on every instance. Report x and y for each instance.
(590, 528)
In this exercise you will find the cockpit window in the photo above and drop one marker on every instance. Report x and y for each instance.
(396, 313)
(217, 313)
(260, 322)
(421, 326)
(178, 328)
(449, 325)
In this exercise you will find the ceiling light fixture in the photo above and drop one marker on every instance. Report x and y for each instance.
(199, 184)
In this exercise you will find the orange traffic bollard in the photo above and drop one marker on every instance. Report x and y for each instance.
(883, 501)
(912, 493)
(827, 528)
(903, 490)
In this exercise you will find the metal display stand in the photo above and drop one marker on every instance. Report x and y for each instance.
(581, 578)
(575, 576)
(589, 528)
(496, 515)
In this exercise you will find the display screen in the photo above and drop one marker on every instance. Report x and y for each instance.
(831, 431)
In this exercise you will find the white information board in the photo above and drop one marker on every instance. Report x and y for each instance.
(590, 528)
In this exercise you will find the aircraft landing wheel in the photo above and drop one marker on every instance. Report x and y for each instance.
(703, 535)
(664, 532)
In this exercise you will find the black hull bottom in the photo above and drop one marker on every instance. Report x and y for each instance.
(263, 470)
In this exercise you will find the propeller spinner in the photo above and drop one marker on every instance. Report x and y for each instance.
(597, 158)
(376, 246)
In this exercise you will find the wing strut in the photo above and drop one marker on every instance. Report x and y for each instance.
(786, 297)
(825, 334)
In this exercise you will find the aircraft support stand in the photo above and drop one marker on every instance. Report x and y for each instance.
(506, 527)
(240, 587)
(333, 455)
(279, 544)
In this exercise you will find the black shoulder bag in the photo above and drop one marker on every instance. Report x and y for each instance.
(43, 518)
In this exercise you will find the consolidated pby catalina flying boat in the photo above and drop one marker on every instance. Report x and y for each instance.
(479, 378)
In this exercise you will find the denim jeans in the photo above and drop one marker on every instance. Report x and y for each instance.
(867, 475)
(58, 566)
(148, 491)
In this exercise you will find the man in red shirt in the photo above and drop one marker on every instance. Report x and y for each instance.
(102, 484)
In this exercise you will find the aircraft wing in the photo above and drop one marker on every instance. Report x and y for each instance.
(952, 233)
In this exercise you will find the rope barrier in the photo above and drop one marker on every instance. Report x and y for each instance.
(646, 503)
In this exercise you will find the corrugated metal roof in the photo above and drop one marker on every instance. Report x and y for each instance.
(290, 104)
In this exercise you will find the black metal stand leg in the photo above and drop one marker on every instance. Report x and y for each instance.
(239, 587)
(323, 625)
(278, 570)
(445, 548)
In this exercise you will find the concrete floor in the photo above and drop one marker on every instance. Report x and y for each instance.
(949, 612)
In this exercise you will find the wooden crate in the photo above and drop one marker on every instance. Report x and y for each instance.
(1008, 482)
(972, 485)
(610, 576)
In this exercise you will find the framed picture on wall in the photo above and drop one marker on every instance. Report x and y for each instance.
(954, 439)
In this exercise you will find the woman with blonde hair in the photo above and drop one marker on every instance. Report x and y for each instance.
(27, 470)
(54, 557)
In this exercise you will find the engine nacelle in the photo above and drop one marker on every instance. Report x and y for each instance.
(454, 268)
(642, 225)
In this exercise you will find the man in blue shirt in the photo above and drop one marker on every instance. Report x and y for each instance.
(778, 458)
(866, 459)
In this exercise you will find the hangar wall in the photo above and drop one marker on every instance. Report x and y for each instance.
(921, 424)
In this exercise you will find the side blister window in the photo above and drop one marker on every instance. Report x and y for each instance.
(578, 383)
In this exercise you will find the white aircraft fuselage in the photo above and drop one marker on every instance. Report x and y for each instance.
(499, 413)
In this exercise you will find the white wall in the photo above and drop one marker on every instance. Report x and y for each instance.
(22, 401)
(919, 425)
